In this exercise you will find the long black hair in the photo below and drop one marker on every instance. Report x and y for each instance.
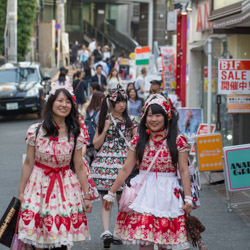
(71, 121)
(104, 112)
(169, 125)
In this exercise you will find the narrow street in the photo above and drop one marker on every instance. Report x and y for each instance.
(224, 230)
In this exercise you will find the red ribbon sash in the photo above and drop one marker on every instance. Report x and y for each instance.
(54, 174)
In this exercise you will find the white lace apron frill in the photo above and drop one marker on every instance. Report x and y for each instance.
(157, 195)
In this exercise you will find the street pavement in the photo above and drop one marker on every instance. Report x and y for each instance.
(224, 230)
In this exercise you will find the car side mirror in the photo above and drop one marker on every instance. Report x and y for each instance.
(46, 77)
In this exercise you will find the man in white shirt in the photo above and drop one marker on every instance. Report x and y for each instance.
(140, 83)
(92, 45)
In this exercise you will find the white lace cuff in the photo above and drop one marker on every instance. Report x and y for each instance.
(110, 197)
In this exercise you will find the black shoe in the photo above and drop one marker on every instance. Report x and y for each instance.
(117, 241)
(107, 240)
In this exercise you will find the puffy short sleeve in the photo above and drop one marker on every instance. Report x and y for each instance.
(83, 138)
(31, 134)
(182, 144)
(134, 141)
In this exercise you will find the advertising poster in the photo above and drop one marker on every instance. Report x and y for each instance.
(234, 76)
(237, 166)
(189, 122)
(168, 54)
(209, 152)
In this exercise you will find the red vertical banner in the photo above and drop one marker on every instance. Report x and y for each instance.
(181, 59)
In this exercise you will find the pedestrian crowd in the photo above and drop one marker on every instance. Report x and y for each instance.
(78, 155)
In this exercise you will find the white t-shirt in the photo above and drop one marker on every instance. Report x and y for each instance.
(92, 46)
(139, 82)
(113, 82)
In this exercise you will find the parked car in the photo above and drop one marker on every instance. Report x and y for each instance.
(23, 88)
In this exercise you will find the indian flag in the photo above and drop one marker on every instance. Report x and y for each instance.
(142, 55)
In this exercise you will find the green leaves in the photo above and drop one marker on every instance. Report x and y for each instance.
(26, 12)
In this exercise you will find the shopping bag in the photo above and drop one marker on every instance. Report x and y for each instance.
(8, 222)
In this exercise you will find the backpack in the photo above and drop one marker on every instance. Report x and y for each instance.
(91, 125)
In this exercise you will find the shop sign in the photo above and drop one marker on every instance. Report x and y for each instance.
(233, 76)
(214, 78)
(238, 103)
(168, 70)
(237, 167)
(202, 23)
(209, 152)
(202, 130)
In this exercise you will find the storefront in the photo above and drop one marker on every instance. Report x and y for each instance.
(232, 18)
(199, 31)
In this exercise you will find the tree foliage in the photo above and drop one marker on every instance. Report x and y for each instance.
(25, 22)
(26, 13)
(3, 6)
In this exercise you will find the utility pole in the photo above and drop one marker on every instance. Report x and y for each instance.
(60, 20)
(12, 31)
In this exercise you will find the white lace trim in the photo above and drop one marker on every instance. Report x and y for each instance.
(185, 245)
(53, 245)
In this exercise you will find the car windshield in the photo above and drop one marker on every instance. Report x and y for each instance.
(18, 75)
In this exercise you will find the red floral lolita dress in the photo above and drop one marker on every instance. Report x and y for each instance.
(158, 217)
(52, 211)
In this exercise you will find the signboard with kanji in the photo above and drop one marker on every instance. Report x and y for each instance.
(238, 103)
(237, 167)
(209, 152)
(168, 72)
(214, 78)
(233, 76)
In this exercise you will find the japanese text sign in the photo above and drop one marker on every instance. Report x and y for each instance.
(233, 76)
(238, 104)
(237, 167)
(209, 152)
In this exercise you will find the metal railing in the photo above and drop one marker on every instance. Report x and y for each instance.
(124, 42)
(91, 31)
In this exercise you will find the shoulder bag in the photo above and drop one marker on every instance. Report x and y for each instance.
(129, 193)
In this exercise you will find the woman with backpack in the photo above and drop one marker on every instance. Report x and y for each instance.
(52, 205)
(91, 121)
(158, 212)
(114, 130)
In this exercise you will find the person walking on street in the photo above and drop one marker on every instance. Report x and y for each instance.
(61, 81)
(104, 65)
(100, 78)
(83, 56)
(134, 104)
(52, 204)
(113, 79)
(140, 83)
(111, 139)
(91, 120)
(79, 87)
(75, 48)
(158, 211)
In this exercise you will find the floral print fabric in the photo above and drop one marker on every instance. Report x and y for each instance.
(111, 156)
(56, 222)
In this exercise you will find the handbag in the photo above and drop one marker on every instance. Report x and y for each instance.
(194, 185)
(16, 243)
(8, 222)
(129, 193)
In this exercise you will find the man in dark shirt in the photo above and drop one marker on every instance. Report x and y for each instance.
(100, 78)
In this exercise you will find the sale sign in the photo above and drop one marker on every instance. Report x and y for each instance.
(233, 76)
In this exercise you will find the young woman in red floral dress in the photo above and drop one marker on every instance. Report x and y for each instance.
(158, 215)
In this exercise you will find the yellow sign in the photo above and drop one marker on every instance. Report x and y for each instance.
(132, 55)
(209, 152)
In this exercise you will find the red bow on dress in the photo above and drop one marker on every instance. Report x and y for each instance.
(53, 138)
